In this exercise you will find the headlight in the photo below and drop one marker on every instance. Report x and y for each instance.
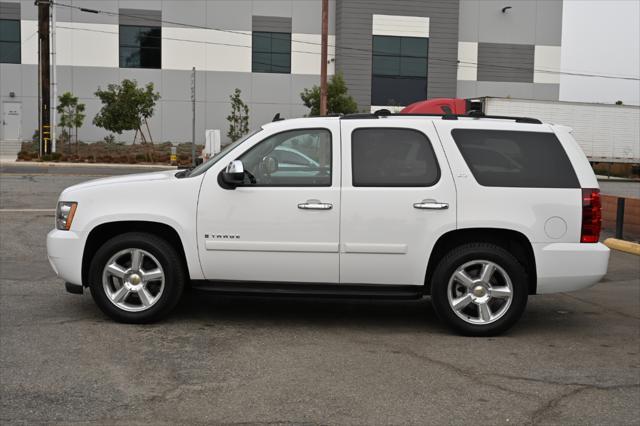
(64, 214)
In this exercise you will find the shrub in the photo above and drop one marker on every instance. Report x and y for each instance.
(338, 100)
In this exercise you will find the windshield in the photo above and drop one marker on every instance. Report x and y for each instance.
(213, 160)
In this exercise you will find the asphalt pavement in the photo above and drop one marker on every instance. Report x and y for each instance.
(572, 359)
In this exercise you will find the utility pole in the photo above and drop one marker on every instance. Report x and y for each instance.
(44, 80)
(193, 118)
(323, 57)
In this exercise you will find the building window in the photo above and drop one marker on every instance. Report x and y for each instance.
(9, 41)
(399, 71)
(140, 46)
(271, 52)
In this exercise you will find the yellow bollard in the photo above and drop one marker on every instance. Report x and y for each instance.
(622, 245)
(174, 157)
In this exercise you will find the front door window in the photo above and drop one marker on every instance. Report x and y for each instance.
(292, 158)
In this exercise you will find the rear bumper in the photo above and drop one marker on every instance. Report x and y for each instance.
(64, 250)
(563, 267)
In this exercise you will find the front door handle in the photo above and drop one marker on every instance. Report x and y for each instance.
(315, 205)
(430, 205)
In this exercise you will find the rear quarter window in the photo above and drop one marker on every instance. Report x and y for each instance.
(515, 158)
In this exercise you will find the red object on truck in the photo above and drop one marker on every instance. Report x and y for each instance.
(439, 106)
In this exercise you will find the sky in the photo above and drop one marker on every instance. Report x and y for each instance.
(601, 37)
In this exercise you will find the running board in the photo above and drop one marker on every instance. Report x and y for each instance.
(353, 291)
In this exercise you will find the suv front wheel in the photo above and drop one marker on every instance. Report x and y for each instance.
(479, 289)
(136, 278)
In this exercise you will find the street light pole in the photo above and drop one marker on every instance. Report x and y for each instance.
(323, 57)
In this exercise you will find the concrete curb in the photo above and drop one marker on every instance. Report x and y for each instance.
(622, 245)
(604, 178)
(80, 165)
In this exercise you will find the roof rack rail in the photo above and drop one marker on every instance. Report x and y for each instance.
(359, 115)
(527, 120)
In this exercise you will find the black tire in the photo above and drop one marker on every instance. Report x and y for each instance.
(166, 255)
(468, 253)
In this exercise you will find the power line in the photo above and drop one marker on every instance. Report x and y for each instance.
(367, 53)
(180, 39)
(181, 24)
(177, 39)
(462, 64)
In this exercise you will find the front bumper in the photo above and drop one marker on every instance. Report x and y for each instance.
(563, 267)
(64, 250)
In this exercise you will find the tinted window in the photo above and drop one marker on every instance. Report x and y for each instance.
(9, 41)
(293, 158)
(140, 47)
(271, 52)
(399, 70)
(515, 159)
(392, 157)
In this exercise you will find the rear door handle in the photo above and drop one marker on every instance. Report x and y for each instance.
(430, 205)
(315, 205)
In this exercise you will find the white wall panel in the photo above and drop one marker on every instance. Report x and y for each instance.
(468, 61)
(88, 45)
(29, 42)
(179, 54)
(547, 58)
(97, 45)
(210, 50)
(406, 26)
(227, 56)
(309, 62)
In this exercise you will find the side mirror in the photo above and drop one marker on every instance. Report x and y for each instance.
(233, 174)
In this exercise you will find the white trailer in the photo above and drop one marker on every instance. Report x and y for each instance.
(608, 133)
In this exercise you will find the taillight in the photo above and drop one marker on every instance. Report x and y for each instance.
(591, 216)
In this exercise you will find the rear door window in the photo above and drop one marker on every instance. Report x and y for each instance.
(392, 157)
(515, 158)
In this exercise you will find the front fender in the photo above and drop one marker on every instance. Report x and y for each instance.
(169, 202)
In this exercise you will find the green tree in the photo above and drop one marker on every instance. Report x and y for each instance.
(338, 100)
(126, 106)
(239, 117)
(71, 115)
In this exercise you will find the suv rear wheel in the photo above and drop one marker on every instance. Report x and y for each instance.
(136, 278)
(479, 289)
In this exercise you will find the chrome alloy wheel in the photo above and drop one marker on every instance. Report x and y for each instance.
(480, 292)
(133, 280)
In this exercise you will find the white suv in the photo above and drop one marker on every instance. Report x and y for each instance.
(478, 213)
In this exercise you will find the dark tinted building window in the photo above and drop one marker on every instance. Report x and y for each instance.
(271, 52)
(399, 70)
(140, 46)
(9, 41)
(392, 157)
(516, 159)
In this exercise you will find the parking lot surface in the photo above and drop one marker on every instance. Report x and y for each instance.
(572, 359)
